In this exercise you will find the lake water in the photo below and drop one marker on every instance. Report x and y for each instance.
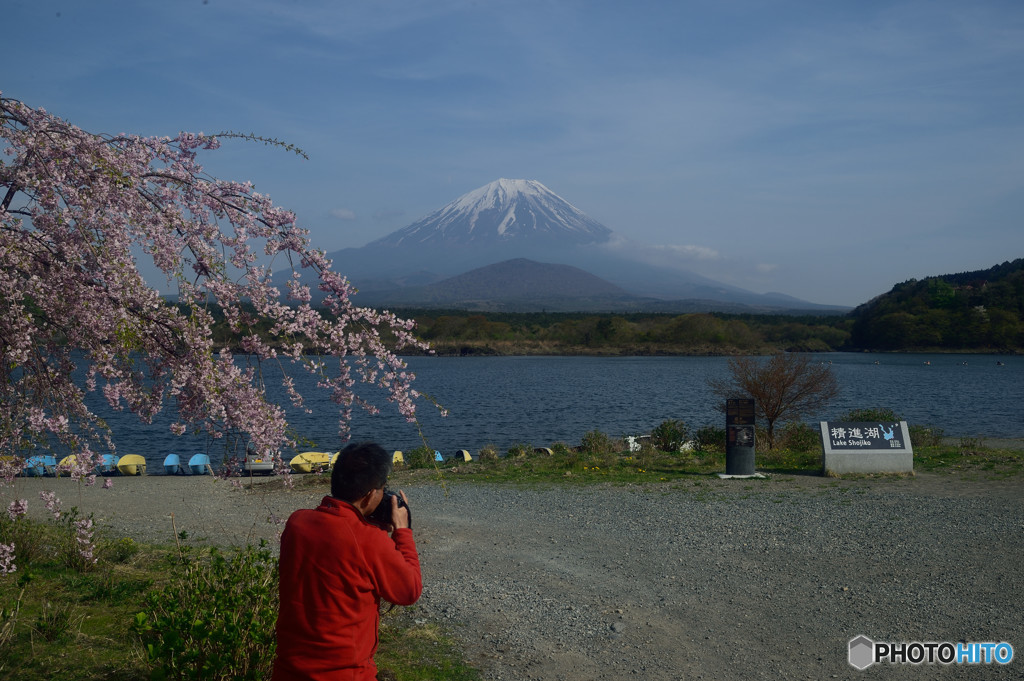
(542, 400)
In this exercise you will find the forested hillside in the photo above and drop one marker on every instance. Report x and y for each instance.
(968, 311)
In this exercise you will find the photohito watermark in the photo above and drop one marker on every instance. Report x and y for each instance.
(864, 652)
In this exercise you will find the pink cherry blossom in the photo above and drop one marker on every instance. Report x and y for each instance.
(76, 211)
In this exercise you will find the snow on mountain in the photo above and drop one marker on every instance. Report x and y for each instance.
(502, 212)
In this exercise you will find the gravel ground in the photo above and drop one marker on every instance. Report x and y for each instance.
(704, 579)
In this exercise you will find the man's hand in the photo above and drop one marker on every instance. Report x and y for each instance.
(399, 514)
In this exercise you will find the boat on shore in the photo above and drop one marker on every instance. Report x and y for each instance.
(199, 464)
(107, 465)
(131, 464)
(34, 467)
(307, 462)
(66, 464)
(172, 464)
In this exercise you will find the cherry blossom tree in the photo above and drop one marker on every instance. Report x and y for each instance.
(77, 212)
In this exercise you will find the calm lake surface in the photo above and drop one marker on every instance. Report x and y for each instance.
(542, 400)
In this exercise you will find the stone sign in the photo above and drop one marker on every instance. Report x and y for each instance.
(866, 447)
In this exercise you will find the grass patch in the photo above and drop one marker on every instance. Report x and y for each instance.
(79, 625)
(971, 456)
(413, 649)
(578, 468)
(611, 463)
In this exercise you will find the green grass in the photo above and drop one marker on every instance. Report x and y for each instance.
(577, 467)
(414, 649)
(72, 625)
(970, 456)
(60, 623)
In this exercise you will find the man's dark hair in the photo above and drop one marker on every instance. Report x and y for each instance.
(359, 468)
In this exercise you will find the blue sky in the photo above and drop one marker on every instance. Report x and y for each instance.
(826, 150)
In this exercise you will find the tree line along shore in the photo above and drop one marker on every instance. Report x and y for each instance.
(975, 312)
(460, 332)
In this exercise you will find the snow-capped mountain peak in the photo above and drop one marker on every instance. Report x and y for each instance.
(503, 211)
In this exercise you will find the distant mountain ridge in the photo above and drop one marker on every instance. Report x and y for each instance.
(522, 285)
(508, 220)
(516, 285)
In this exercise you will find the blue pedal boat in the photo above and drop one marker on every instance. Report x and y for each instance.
(107, 465)
(200, 465)
(172, 464)
(34, 467)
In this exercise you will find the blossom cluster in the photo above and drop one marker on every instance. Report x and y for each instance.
(7, 564)
(83, 540)
(76, 211)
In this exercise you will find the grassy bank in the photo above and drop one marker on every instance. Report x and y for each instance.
(154, 612)
(615, 463)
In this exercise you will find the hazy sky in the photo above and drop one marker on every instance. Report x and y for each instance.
(826, 150)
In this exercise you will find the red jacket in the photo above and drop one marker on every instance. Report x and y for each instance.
(335, 569)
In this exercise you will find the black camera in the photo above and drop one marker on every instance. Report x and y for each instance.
(381, 516)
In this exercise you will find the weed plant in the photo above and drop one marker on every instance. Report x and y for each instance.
(215, 618)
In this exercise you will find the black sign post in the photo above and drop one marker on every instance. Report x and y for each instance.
(739, 437)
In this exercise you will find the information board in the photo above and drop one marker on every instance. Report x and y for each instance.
(866, 447)
(866, 435)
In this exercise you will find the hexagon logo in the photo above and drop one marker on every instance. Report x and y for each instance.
(862, 652)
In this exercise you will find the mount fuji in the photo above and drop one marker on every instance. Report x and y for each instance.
(504, 213)
(522, 220)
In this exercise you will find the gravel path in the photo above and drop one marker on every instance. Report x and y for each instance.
(705, 579)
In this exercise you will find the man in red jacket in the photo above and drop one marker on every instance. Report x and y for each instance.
(335, 569)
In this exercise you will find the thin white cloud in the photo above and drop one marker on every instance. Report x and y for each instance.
(343, 214)
(689, 251)
(671, 255)
(766, 268)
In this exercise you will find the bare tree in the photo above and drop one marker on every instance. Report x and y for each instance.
(784, 387)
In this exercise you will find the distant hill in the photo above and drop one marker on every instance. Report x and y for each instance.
(513, 285)
(523, 285)
(964, 311)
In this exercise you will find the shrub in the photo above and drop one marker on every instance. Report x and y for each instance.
(215, 619)
(970, 445)
(120, 550)
(925, 436)
(489, 454)
(597, 443)
(519, 450)
(670, 435)
(710, 439)
(561, 449)
(421, 457)
(27, 536)
(800, 437)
